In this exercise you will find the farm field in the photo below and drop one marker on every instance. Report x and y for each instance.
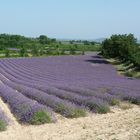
(54, 89)
(69, 70)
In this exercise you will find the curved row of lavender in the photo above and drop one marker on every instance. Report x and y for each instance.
(69, 84)
(94, 104)
(25, 109)
(4, 120)
(63, 107)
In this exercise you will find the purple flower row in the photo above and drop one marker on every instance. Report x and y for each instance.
(22, 107)
(67, 82)
(94, 104)
(63, 107)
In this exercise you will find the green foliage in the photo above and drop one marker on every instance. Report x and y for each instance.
(62, 52)
(78, 113)
(3, 125)
(86, 42)
(93, 43)
(72, 113)
(123, 47)
(23, 52)
(44, 39)
(41, 52)
(103, 109)
(72, 50)
(115, 102)
(20, 46)
(136, 58)
(7, 53)
(41, 117)
(12, 41)
(35, 51)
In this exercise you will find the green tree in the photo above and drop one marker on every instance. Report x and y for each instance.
(119, 46)
(44, 39)
(23, 52)
(62, 52)
(86, 42)
(35, 51)
(92, 43)
(122, 46)
(7, 53)
(41, 52)
(72, 50)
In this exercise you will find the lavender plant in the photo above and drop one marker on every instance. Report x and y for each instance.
(23, 108)
(66, 84)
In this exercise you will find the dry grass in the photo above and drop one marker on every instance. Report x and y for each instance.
(124, 68)
(125, 105)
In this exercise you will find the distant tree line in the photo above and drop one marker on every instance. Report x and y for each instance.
(17, 41)
(17, 45)
(124, 47)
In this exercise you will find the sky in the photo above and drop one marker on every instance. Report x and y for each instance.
(70, 19)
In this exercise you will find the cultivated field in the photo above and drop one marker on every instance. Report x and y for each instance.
(49, 90)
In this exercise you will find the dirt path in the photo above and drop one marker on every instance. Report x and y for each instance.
(117, 125)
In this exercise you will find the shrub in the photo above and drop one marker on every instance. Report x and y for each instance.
(2, 125)
(122, 46)
(115, 102)
(41, 117)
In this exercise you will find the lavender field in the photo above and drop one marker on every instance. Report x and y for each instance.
(36, 88)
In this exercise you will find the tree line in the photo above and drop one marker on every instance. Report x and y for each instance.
(11, 45)
(124, 47)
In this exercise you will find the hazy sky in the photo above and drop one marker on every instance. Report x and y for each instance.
(81, 19)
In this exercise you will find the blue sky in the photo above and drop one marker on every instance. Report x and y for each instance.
(81, 19)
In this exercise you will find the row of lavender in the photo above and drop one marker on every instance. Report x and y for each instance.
(71, 71)
(30, 75)
(63, 107)
(25, 109)
(67, 85)
(51, 96)
(41, 71)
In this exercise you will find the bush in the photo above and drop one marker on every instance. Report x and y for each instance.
(41, 117)
(2, 125)
(103, 109)
(23, 52)
(124, 47)
(72, 50)
(115, 102)
(136, 59)
(7, 53)
(78, 113)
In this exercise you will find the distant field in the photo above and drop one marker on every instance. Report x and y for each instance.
(35, 88)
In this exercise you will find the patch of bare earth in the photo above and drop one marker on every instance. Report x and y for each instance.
(119, 124)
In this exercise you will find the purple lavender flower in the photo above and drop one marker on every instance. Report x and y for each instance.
(23, 108)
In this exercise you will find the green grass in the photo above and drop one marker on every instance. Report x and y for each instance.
(70, 112)
(77, 113)
(103, 109)
(41, 117)
(115, 102)
(3, 125)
